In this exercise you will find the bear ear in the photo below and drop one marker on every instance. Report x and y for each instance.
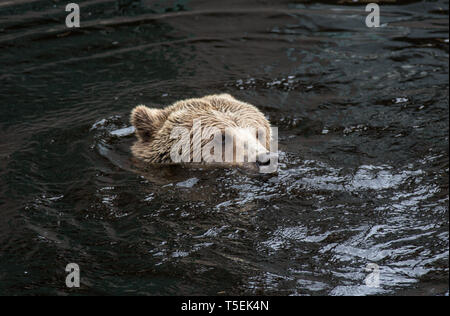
(147, 121)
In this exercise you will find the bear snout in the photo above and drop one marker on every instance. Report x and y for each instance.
(266, 158)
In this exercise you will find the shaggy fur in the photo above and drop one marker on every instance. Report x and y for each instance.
(154, 126)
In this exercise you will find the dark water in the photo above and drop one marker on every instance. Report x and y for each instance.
(363, 142)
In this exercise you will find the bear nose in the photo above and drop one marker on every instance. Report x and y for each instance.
(265, 158)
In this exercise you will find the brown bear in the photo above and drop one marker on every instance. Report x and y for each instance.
(212, 129)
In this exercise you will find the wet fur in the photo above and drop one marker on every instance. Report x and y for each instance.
(154, 126)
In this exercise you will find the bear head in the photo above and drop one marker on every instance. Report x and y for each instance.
(213, 129)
